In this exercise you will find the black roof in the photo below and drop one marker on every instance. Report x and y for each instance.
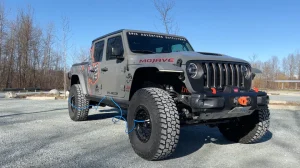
(115, 32)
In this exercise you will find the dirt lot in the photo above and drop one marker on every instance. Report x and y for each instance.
(40, 134)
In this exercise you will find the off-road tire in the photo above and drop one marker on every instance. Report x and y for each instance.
(247, 129)
(165, 125)
(80, 110)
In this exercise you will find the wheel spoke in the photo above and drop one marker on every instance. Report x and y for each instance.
(143, 129)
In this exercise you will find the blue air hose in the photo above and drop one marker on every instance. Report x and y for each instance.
(115, 119)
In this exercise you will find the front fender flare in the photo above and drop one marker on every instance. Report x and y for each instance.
(162, 67)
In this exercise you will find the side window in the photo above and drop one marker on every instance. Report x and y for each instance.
(158, 50)
(114, 42)
(178, 47)
(98, 54)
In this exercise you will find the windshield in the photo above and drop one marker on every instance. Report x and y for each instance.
(155, 43)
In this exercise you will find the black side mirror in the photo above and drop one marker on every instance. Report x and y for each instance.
(253, 75)
(117, 52)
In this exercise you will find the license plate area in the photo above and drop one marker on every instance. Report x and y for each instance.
(241, 110)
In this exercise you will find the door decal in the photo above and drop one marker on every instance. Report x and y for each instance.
(128, 78)
(93, 73)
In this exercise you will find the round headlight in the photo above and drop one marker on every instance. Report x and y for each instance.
(246, 71)
(192, 70)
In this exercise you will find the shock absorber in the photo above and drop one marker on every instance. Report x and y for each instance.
(171, 91)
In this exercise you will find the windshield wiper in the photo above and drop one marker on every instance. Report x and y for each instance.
(144, 51)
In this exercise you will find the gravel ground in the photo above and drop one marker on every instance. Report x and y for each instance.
(289, 98)
(40, 134)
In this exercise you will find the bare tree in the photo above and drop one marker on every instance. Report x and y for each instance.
(253, 61)
(24, 43)
(291, 66)
(285, 66)
(164, 7)
(253, 58)
(298, 64)
(47, 60)
(274, 68)
(10, 51)
(267, 73)
(65, 38)
(2, 34)
(80, 56)
(36, 56)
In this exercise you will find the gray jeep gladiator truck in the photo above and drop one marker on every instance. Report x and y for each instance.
(160, 79)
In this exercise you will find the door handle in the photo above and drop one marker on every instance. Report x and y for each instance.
(92, 70)
(104, 69)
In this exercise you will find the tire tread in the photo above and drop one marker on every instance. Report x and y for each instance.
(260, 129)
(169, 121)
(82, 111)
(253, 135)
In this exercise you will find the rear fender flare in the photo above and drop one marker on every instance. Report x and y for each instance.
(82, 82)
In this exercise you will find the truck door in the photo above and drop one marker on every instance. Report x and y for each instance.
(112, 68)
(94, 81)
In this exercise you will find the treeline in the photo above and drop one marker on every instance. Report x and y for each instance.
(28, 57)
(31, 56)
(287, 68)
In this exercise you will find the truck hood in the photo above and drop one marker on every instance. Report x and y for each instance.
(184, 56)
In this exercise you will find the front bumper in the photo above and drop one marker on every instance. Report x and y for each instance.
(223, 105)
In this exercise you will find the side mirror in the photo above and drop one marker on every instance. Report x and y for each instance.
(255, 71)
(117, 52)
(253, 75)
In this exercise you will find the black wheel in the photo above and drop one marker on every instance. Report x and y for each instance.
(248, 129)
(157, 137)
(143, 129)
(78, 104)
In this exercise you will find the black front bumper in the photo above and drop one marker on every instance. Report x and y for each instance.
(222, 105)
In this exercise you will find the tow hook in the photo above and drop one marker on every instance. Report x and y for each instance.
(243, 100)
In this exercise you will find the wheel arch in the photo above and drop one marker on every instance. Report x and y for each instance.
(154, 74)
(79, 79)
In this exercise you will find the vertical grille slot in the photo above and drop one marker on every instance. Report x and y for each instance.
(214, 74)
(227, 78)
(208, 75)
(221, 75)
(242, 76)
(238, 75)
(232, 75)
(205, 74)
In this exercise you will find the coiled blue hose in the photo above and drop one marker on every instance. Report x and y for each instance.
(115, 119)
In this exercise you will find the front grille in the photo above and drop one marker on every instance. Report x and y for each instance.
(220, 74)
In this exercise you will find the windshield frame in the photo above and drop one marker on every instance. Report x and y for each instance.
(187, 44)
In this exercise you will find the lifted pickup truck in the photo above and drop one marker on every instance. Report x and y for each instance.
(160, 79)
